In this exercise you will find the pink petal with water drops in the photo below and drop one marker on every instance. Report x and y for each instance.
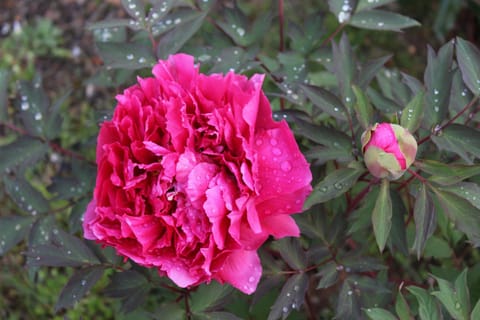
(242, 269)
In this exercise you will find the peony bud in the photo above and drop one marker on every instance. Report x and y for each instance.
(388, 149)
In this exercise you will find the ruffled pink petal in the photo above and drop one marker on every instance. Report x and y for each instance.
(88, 218)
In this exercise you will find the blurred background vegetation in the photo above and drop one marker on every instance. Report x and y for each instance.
(50, 38)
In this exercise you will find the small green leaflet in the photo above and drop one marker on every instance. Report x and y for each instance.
(12, 230)
(468, 57)
(379, 314)
(425, 219)
(291, 297)
(428, 308)
(455, 296)
(412, 115)
(210, 296)
(381, 20)
(382, 215)
(335, 184)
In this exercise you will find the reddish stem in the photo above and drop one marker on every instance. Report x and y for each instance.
(53, 145)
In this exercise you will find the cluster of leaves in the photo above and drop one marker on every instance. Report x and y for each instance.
(369, 248)
(27, 42)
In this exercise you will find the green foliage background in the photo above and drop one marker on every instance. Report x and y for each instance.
(369, 249)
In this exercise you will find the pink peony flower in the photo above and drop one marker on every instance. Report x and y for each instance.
(194, 176)
(389, 150)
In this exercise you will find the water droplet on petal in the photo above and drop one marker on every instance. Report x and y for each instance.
(286, 166)
(273, 142)
(277, 151)
(259, 142)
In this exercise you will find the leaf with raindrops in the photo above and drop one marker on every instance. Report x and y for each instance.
(132, 55)
(78, 286)
(291, 297)
(33, 106)
(12, 230)
(455, 296)
(63, 250)
(412, 115)
(438, 81)
(459, 139)
(25, 195)
(381, 20)
(371, 4)
(468, 57)
(333, 185)
(461, 212)
(30, 150)
(173, 40)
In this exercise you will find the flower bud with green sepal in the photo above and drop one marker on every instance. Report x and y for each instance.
(388, 149)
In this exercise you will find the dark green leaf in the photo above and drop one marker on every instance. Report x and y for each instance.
(325, 101)
(173, 40)
(78, 286)
(425, 219)
(64, 250)
(369, 4)
(468, 57)
(242, 31)
(335, 184)
(359, 264)
(76, 215)
(30, 149)
(12, 230)
(292, 252)
(460, 96)
(53, 124)
(135, 8)
(383, 103)
(398, 234)
(438, 80)
(369, 70)
(401, 307)
(291, 297)
(131, 286)
(33, 106)
(379, 314)
(437, 248)
(363, 109)
(25, 196)
(41, 230)
(132, 55)
(465, 216)
(382, 215)
(454, 297)
(4, 80)
(170, 311)
(381, 20)
(348, 303)
(328, 274)
(219, 315)
(124, 283)
(428, 309)
(467, 190)
(210, 296)
(476, 311)
(447, 173)
(344, 69)
(412, 115)
(460, 139)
